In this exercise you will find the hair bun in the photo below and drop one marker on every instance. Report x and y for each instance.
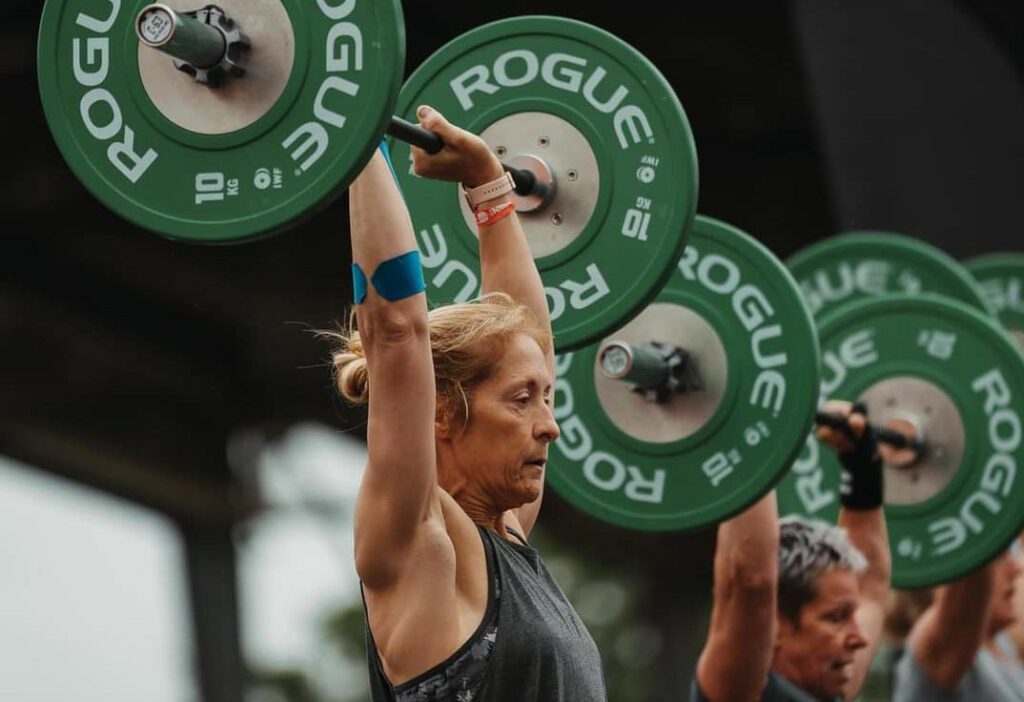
(352, 377)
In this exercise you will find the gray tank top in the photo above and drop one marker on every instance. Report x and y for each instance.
(988, 680)
(531, 646)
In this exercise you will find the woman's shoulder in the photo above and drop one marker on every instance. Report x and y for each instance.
(460, 529)
(452, 514)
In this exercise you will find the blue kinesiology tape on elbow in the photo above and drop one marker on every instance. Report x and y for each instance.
(399, 277)
(358, 284)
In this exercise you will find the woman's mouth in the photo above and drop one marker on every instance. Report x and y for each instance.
(844, 668)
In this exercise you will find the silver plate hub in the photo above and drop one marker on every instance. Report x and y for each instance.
(684, 413)
(238, 103)
(921, 404)
(553, 149)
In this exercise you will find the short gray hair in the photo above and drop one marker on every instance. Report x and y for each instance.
(808, 548)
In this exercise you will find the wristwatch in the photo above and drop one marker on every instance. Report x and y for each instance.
(488, 191)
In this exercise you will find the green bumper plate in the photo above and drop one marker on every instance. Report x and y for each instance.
(707, 454)
(866, 264)
(172, 169)
(1001, 277)
(950, 371)
(599, 117)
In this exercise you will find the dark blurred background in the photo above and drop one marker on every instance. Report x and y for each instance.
(163, 379)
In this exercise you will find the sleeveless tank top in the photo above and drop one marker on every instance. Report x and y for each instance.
(531, 646)
(987, 680)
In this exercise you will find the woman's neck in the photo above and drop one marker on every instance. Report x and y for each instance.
(483, 514)
(476, 506)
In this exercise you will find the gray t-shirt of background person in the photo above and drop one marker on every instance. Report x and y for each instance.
(988, 680)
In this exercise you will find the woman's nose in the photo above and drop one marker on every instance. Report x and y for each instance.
(547, 427)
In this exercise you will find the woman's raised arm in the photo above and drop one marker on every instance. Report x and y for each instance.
(399, 486)
(506, 263)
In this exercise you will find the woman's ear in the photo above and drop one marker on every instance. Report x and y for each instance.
(451, 417)
(443, 423)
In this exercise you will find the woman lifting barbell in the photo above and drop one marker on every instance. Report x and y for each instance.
(460, 420)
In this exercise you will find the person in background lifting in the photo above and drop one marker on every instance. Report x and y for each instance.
(957, 650)
(799, 605)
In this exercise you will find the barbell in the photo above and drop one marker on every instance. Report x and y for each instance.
(706, 400)
(231, 122)
(687, 381)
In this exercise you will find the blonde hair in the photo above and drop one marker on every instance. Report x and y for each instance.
(467, 340)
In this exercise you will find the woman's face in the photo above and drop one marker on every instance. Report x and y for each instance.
(818, 653)
(502, 451)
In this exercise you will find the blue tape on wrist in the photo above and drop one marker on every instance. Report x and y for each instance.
(358, 284)
(387, 157)
(399, 277)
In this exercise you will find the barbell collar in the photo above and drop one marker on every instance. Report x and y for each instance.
(656, 371)
(638, 365)
(180, 36)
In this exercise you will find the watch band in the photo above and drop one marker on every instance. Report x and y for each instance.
(489, 191)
